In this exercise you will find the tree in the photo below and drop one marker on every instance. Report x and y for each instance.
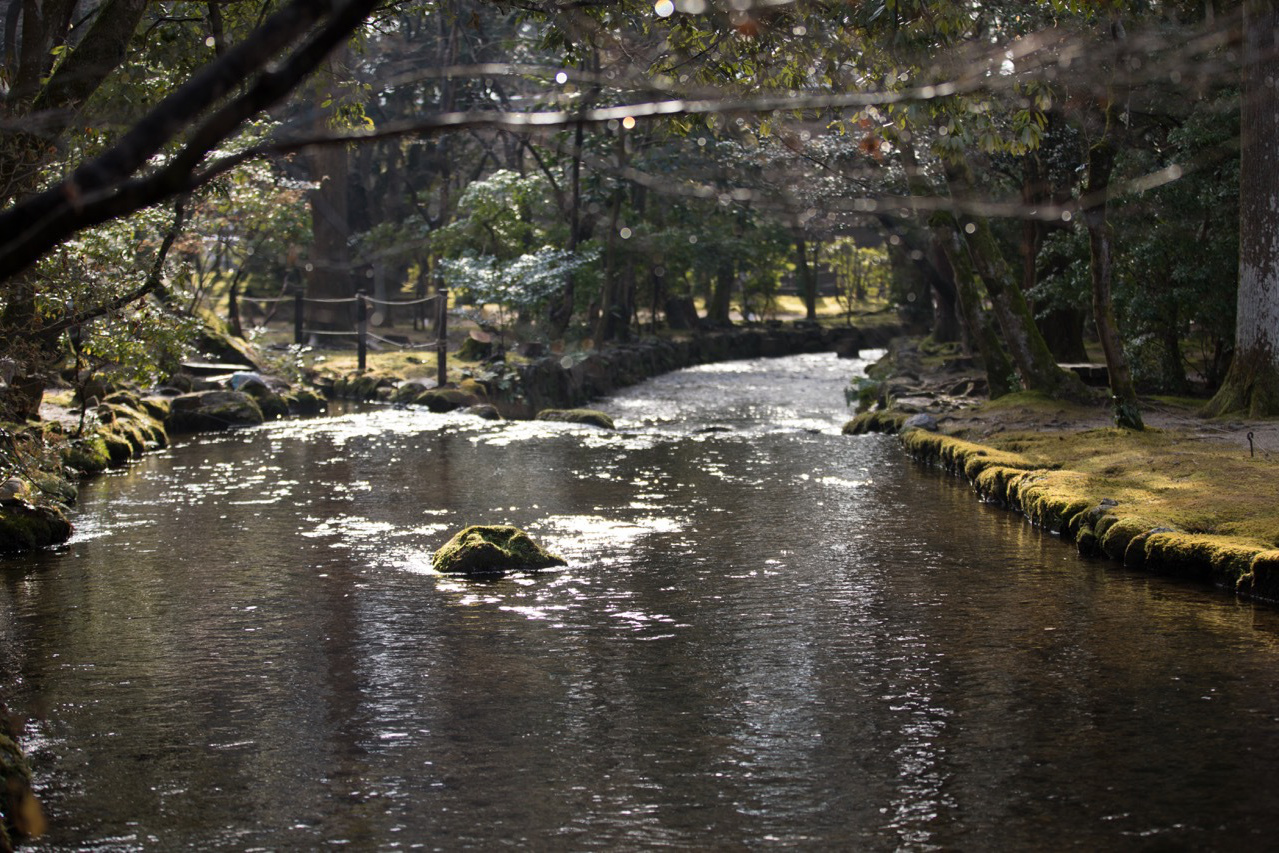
(163, 155)
(1252, 384)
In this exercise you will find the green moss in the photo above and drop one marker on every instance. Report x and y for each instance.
(23, 817)
(24, 527)
(304, 401)
(444, 399)
(213, 410)
(156, 407)
(475, 388)
(55, 487)
(590, 417)
(1209, 558)
(885, 421)
(1262, 578)
(364, 386)
(118, 448)
(88, 455)
(955, 454)
(132, 433)
(489, 549)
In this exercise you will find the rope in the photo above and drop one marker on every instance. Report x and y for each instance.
(349, 334)
(398, 345)
(422, 301)
(346, 301)
(262, 300)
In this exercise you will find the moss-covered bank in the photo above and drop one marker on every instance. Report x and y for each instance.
(1123, 518)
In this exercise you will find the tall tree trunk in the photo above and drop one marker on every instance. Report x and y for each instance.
(941, 276)
(806, 278)
(722, 294)
(561, 308)
(1101, 161)
(1029, 352)
(1252, 383)
(610, 321)
(1001, 375)
(329, 269)
(1062, 328)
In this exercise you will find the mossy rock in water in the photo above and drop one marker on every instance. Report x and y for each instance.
(212, 410)
(88, 455)
(444, 399)
(304, 401)
(156, 407)
(590, 417)
(24, 526)
(118, 447)
(23, 817)
(492, 549)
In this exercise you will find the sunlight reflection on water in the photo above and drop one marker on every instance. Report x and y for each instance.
(767, 634)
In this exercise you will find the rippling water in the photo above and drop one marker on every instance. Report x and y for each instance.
(768, 634)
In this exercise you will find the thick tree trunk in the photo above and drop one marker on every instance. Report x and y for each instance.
(947, 326)
(1029, 352)
(329, 268)
(1062, 328)
(560, 313)
(1001, 375)
(1252, 383)
(806, 278)
(1101, 161)
(722, 295)
(610, 322)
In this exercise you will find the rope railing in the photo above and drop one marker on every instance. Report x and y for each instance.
(362, 301)
(266, 300)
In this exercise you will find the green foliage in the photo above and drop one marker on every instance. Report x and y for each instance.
(861, 273)
(139, 341)
(523, 283)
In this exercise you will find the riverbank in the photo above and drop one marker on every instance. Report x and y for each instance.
(1187, 497)
(43, 461)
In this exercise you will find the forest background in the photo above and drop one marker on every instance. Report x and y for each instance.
(1030, 180)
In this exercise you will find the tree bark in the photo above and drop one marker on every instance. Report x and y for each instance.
(329, 274)
(941, 275)
(806, 278)
(1029, 352)
(104, 188)
(1252, 383)
(1062, 328)
(722, 294)
(1001, 375)
(1101, 161)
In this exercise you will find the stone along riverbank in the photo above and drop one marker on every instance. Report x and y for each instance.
(43, 462)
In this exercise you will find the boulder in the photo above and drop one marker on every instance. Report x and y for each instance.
(923, 421)
(486, 411)
(445, 399)
(212, 410)
(304, 401)
(408, 390)
(591, 417)
(268, 398)
(492, 549)
(25, 526)
(22, 816)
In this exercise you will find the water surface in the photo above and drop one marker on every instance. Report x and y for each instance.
(768, 634)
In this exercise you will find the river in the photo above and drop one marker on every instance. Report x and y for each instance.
(768, 635)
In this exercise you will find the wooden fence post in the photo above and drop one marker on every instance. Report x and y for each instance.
(442, 337)
(361, 329)
(298, 308)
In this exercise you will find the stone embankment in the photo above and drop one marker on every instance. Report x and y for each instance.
(523, 389)
(1051, 497)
